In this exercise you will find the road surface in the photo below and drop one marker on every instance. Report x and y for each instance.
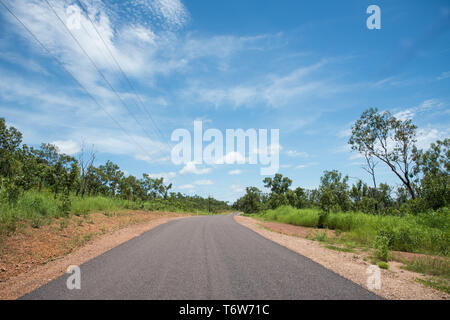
(206, 257)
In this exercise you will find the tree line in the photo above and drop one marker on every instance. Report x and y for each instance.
(24, 168)
(379, 137)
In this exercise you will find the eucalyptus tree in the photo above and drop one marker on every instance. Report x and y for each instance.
(388, 139)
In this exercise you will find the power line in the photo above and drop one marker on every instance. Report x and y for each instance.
(121, 70)
(160, 148)
(111, 65)
(74, 78)
(97, 69)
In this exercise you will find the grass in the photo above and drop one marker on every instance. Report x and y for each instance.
(436, 283)
(332, 247)
(39, 208)
(427, 233)
(383, 265)
(439, 267)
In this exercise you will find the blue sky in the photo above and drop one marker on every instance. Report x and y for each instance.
(307, 68)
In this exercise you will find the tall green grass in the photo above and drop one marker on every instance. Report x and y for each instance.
(425, 233)
(41, 207)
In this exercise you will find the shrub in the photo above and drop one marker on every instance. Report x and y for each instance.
(65, 204)
(383, 265)
(381, 246)
(322, 218)
(414, 206)
(37, 221)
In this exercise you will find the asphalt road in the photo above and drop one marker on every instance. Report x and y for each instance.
(206, 257)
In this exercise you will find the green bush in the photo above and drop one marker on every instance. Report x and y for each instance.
(414, 206)
(290, 215)
(381, 246)
(424, 233)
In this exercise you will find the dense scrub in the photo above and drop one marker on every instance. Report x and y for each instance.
(40, 207)
(37, 184)
(425, 233)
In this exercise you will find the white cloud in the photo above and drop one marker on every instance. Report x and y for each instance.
(344, 133)
(294, 153)
(173, 11)
(235, 172)
(168, 176)
(427, 136)
(444, 75)
(356, 155)
(425, 106)
(232, 157)
(203, 182)
(186, 186)
(273, 148)
(306, 165)
(405, 114)
(274, 90)
(237, 188)
(190, 167)
(68, 147)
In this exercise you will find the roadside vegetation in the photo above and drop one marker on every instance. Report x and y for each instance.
(426, 233)
(413, 216)
(40, 184)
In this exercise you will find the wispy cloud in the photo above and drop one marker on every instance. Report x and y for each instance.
(306, 165)
(235, 172)
(191, 168)
(274, 90)
(444, 75)
(203, 182)
(187, 186)
(167, 176)
(425, 106)
(68, 147)
(237, 188)
(299, 154)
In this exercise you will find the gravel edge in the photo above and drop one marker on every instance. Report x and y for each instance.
(396, 283)
(28, 281)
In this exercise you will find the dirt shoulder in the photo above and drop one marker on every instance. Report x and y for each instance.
(396, 283)
(32, 257)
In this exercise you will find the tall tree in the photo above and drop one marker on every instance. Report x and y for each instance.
(388, 139)
(86, 160)
(10, 140)
(433, 168)
(334, 190)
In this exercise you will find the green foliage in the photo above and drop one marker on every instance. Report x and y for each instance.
(433, 167)
(388, 139)
(287, 214)
(436, 283)
(334, 192)
(383, 265)
(320, 236)
(437, 268)
(250, 202)
(430, 266)
(424, 233)
(39, 184)
(381, 246)
(323, 215)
